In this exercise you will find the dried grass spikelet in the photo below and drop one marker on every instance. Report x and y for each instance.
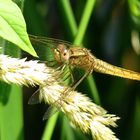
(83, 113)
(22, 72)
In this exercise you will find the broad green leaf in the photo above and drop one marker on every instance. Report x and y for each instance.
(11, 118)
(13, 27)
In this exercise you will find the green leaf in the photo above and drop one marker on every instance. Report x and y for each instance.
(11, 110)
(13, 27)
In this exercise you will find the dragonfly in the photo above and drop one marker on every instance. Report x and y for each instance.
(63, 53)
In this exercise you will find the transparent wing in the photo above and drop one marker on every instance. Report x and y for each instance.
(44, 48)
(50, 112)
(51, 41)
(34, 99)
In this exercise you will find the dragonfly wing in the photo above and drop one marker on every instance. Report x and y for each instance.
(55, 107)
(48, 45)
(46, 40)
(44, 51)
(50, 112)
(44, 48)
(34, 99)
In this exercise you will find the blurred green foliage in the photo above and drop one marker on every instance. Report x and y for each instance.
(134, 6)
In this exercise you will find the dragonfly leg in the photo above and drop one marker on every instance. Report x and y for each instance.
(80, 80)
(71, 75)
(67, 74)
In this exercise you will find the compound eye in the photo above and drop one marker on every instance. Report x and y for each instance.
(57, 55)
(56, 51)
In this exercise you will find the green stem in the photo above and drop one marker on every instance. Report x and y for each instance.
(48, 132)
(69, 16)
(84, 21)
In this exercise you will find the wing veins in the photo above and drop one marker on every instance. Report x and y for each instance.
(47, 40)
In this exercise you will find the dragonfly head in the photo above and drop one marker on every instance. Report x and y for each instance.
(61, 53)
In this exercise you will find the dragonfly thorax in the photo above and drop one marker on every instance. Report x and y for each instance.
(61, 54)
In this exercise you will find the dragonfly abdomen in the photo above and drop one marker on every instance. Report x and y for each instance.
(106, 68)
(82, 58)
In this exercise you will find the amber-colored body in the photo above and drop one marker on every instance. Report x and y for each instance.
(66, 53)
(82, 58)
